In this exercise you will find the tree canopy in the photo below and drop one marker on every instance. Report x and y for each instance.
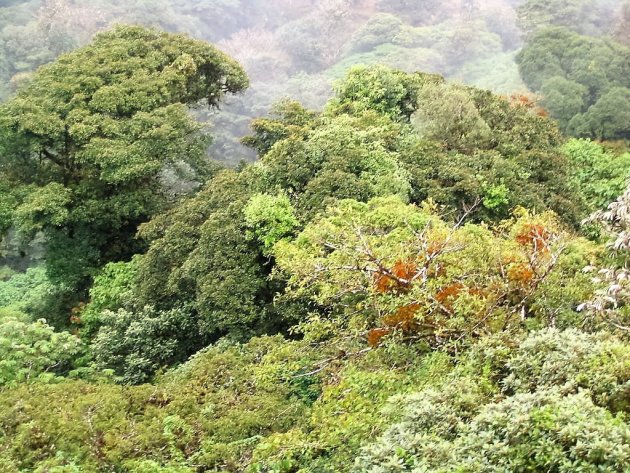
(93, 135)
(584, 81)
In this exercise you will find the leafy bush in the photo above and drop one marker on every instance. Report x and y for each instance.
(573, 361)
(32, 351)
(547, 422)
(209, 414)
(136, 344)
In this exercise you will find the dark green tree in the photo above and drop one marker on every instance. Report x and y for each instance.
(574, 73)
(200, 254)
(94, 134)
(608, 118)
(563, 98)
(389, 132)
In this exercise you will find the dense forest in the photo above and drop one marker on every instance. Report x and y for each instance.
(290, 236)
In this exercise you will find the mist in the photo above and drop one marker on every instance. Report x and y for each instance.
(299, 48)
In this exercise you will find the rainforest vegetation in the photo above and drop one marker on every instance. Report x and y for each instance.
(289, 236)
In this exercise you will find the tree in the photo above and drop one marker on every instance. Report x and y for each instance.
(420, 12)
(93, 133)
(112, 290)
(336, 157)
(525, 432)
(385, 268)
(33, 350)
(575, 73)
(380, 29)
(387, 132)
(316, 40)
(136, 344)
(202, 254)
(447, 114)
(388, 91)
(471, 145)
(209, 414)
(572, 361)
(591, 17)
(564, 99)
(259, 52)
(599, 173)
(608, 118)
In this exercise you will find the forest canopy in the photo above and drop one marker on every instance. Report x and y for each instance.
(405, 272)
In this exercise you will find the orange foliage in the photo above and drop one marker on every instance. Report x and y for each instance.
(376, 334)
(403, 318)
(449, 292)
(447, 295)
(403, 272)
(75, 313)
(521, 99)
(405, 269)
(521, 273)
(535, 235)
(528, 101)
(384, 283)
(436, 247)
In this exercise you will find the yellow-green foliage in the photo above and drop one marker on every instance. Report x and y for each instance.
(387, 267)
(33, 351)
(349, 411)
(210, 413)
(271, 218)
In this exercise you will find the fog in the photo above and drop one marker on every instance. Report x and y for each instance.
(299, 48)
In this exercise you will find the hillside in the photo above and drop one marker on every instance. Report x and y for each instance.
(298, 49)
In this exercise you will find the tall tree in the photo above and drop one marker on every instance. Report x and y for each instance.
(93, 135)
